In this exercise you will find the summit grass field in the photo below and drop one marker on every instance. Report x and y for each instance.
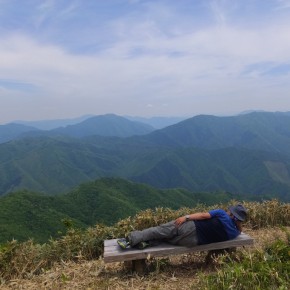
(74, 261)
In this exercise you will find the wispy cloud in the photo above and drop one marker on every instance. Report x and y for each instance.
(219, 11)
(15, 85)
(123, 56)
(283, 4)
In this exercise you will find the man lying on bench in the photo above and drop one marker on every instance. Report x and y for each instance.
(191, 230)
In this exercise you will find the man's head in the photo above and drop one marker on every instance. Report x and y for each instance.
(239, 212)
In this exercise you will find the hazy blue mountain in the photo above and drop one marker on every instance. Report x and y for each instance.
(157, 122)
(52, 124)
(258, 130)
(105, 125)
(11, 131)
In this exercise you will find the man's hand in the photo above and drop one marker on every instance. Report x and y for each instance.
(195, 216)
(179, 221)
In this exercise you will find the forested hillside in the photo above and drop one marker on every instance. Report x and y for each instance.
(25, 214)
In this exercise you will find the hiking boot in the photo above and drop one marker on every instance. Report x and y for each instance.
(123, 243)
(142, 245)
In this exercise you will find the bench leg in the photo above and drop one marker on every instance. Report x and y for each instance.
(128, 265)
(139, 266)
(211, 254)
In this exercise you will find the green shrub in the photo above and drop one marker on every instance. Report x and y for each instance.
(268, 269)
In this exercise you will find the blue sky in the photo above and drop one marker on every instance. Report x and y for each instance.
(67, 58)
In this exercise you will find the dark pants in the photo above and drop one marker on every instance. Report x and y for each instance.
(184, 235)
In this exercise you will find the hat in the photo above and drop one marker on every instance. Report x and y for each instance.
(239, 212)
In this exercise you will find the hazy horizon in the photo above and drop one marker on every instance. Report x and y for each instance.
(85, 116)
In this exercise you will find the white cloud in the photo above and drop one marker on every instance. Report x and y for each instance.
(168, 70)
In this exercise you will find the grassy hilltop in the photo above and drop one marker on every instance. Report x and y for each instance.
(74, 261)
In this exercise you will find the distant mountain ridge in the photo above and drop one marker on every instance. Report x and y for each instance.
(103, 125)
(12, 131)
(157, 122)
(259, 131)
(246, 154)
(52, 124)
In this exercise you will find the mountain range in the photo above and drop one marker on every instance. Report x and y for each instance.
(260, 131)
(104, 125)
(13, 131)
(248, 153)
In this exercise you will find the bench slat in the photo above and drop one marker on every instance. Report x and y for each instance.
(113, 252)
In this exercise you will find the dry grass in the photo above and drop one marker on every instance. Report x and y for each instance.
(177, 272)
(71, 263)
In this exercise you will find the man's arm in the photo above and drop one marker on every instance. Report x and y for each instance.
(194, 216)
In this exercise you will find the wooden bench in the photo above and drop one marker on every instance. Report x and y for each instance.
(113, 252)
